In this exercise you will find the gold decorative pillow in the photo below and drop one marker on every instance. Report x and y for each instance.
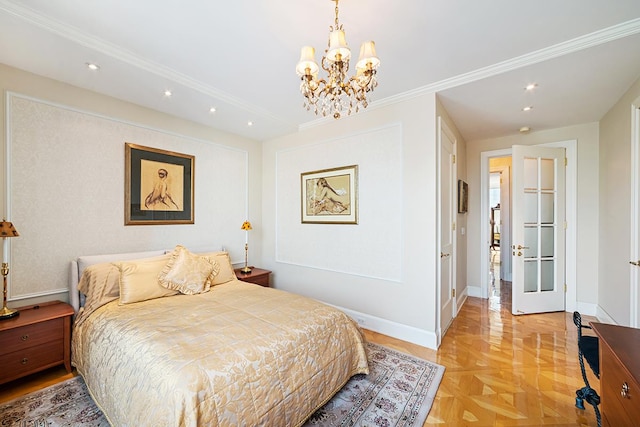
(187, 272)
(139, 279)
(226, 273)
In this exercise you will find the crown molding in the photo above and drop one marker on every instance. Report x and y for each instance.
(577, 44)
(114, 51)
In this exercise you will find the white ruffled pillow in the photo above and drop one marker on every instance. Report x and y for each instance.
(188, 273)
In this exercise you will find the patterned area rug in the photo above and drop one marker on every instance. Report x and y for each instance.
(398, 391)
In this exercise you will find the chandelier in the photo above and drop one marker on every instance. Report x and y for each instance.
(337, 95)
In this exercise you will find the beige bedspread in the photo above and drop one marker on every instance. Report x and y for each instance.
(239, 355)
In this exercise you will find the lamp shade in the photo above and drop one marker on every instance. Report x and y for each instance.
(338, 46)
(307, 61)
(246, 226)
(368, 55)
(7, 229)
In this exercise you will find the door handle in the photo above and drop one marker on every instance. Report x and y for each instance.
(519, 247)
(636, 263)
(442, 255)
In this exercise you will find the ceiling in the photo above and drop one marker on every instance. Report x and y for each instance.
(239, 56)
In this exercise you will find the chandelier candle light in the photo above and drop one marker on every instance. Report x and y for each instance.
(246, 226)
(338, 94)
(6, 230)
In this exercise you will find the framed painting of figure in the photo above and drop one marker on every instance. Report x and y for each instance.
(159, 186)
(330, 196)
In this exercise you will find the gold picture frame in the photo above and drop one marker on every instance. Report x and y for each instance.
(330, 196)
(159, 186)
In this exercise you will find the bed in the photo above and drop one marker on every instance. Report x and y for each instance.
(235, 354)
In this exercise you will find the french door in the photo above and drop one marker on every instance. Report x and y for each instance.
(538, 233)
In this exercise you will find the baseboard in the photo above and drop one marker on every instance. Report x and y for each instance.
(587, 308)
(474, 291)
(462, 298)
(603, 316)
(393, 329)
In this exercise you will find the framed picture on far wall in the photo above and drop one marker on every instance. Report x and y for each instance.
(158, 186)
(463, 196)
(330, 196)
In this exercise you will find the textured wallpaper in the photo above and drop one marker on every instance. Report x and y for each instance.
(372, 248)
(66, 193)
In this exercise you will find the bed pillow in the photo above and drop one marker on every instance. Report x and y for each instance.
(139, 279)
(100, 283)
(188, 273)
(226, 273)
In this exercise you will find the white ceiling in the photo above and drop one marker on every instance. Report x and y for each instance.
(239, 56)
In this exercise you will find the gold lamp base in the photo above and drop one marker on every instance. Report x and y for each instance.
(7, 313)
(246, 270)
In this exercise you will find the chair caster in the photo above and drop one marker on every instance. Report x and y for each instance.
(579, 403)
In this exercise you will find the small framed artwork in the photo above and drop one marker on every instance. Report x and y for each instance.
(159, 186)
(330, 196)
(463, 196)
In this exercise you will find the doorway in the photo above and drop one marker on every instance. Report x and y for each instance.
(570, 147)
(500, 216)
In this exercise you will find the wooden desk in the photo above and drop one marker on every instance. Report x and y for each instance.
(619, 374)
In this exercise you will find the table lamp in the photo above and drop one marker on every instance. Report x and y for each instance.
(6, 230)
(246, 226)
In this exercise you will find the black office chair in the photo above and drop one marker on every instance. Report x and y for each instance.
(588, 348)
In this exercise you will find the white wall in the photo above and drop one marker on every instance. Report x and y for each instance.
(615, 208)
(402, 303)
(587, 201)
(63, 183)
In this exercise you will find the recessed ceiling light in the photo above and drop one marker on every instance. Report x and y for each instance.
(92, 66)
(531, 86)
(249, 123)
(527, 108)
(525, 129)
(212, 110)
(167, 93)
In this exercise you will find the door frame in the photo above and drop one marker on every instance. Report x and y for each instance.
(634, 250)
(443, 127)
(571, 147)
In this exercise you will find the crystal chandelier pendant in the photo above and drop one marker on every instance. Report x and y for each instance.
(339, 94)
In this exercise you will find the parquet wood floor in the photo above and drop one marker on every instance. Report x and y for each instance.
(501, 370)
(505, 370)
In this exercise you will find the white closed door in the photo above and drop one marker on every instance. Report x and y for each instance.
(538, 230)
(446, 227)
(634, 256)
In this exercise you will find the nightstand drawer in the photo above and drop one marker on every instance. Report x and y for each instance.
(257, 276)
(31, 335)
(260, 280)
(21, 362)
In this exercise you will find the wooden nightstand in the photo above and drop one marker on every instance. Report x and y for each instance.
(257, 276)
(38, 338)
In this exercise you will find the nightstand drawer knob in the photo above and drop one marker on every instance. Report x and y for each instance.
(24, 361)
(625, 390)
(24, 337)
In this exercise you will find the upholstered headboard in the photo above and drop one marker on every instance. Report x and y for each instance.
(79, 264)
